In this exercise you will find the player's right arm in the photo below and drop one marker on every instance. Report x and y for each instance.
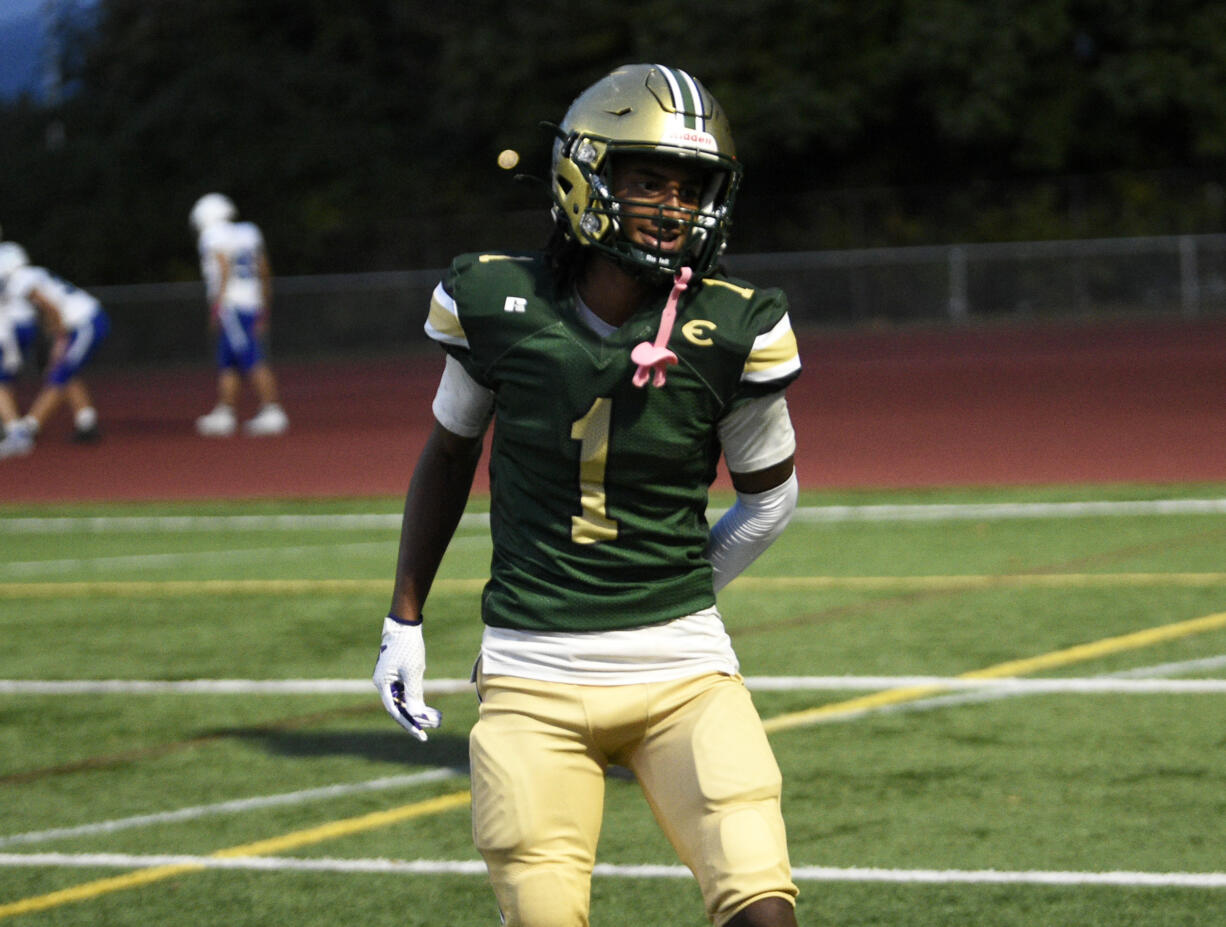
(223, 280)
(435, 501)
(264, 270)
(438, 493)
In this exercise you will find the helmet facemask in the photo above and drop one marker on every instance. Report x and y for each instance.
(600, 224)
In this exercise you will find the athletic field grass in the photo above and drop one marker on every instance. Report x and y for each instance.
(994, 709)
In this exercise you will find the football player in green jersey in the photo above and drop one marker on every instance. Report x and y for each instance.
(618, 365)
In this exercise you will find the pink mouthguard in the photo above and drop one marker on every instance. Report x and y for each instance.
(654, 355)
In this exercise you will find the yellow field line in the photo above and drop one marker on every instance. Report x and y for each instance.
(209, 587)
(206, 587)
(290, 841)
(298, 839)
(1078, 654)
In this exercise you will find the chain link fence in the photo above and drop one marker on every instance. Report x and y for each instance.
(1181, 276)
(1176, 276)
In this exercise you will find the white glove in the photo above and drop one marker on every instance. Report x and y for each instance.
(398, 675)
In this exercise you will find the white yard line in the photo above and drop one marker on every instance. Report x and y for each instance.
(1150, 678)
(1139, 680)
(167, 524)
(107, 564)
(171, 524)
(1210, 880)
(1135, 682)
(954, 511)
(1009, 510)
(213, 686)
(1181, 668)
(237, 806)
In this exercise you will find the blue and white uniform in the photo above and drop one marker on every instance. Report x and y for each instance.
(18, 331)
(82, 319)
(231, 258)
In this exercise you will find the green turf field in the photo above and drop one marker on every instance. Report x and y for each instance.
(1088, 789)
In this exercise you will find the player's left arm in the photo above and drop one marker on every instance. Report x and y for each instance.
(764, 480)
(53, 324)
(759, 448)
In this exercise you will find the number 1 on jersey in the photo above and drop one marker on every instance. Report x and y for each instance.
(592, 433)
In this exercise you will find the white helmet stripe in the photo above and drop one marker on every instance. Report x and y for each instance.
(687, 98)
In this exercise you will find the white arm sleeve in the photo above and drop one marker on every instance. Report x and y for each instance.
(748, 528)
(462, 405)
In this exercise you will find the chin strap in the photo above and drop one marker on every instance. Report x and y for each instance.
(655, 355)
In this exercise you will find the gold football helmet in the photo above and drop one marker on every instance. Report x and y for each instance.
(644, 109)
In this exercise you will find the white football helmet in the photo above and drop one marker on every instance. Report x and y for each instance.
(12, 256)
(211, 208)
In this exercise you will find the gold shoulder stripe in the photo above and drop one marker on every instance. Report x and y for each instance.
(743, 292)
(781, 351)
(774, 355)
(490, 258)
(443, 322)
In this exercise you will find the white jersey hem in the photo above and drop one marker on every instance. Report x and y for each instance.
(678, 649)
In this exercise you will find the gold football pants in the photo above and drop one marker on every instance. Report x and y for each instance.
(539, 753)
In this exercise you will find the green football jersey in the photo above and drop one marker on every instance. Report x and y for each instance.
(598, 487)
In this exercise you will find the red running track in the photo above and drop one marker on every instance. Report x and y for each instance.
(1134, 402)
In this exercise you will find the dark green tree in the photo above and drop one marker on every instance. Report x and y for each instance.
(363, 135)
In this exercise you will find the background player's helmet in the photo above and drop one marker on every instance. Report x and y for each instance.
(12, 256)
(644, 109)
(210, 208)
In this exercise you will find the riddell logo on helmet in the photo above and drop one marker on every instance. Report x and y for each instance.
(691, 138)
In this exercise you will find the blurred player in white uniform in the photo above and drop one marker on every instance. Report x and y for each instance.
(18, 333)
(238, 282)
(75, 324)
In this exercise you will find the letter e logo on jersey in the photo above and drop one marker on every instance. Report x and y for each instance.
(698, 331)
(515, 304)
